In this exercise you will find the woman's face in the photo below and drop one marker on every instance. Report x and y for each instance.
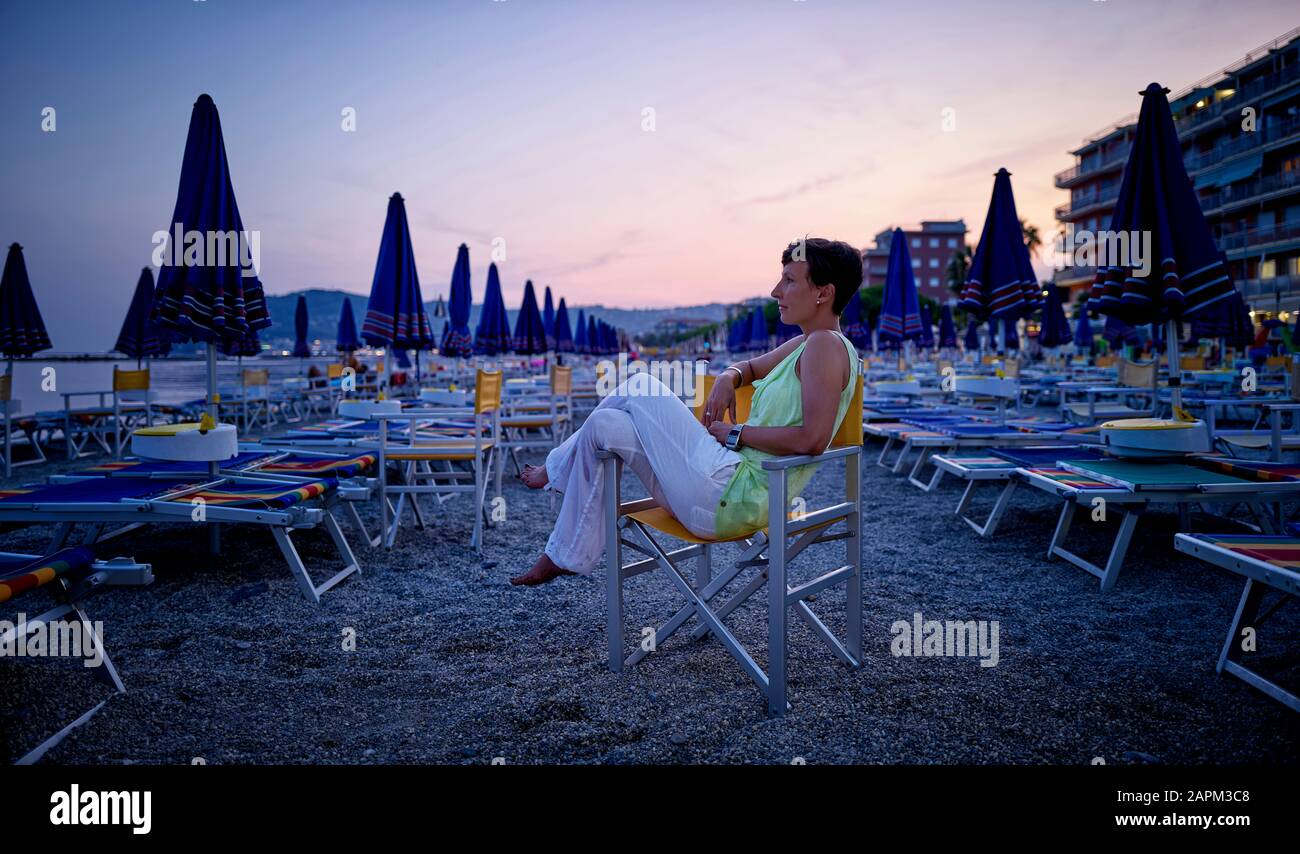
(796, 296)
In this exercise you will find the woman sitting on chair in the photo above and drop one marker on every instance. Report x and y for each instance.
(709, 474)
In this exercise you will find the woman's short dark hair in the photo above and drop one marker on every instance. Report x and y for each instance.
(830, 262)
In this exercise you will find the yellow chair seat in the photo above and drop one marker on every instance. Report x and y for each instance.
(665, 522)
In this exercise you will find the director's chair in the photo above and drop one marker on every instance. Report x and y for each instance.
(770, 550)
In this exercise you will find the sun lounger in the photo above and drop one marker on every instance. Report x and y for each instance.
(998, 465)
(282, 506)
(1266, 562)
(17, 430)
(1131, 487)
(71, 575)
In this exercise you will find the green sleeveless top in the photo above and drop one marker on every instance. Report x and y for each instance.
(777, 402)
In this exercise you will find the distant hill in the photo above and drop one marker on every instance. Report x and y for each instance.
(324, 307)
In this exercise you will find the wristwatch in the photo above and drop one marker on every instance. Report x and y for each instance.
(733, 438)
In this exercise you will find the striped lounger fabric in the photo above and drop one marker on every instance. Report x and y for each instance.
(18, 575)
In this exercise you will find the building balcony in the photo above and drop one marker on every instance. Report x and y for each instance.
(1085, 203)
(1247, 192)
(1081, 172)
(1259, 238)
(1278, 287)
(1194, 122)
(1271, 134)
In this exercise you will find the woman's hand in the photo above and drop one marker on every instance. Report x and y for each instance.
(719, 431)
(722, 401)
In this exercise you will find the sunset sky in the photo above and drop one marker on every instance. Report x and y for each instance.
(524, 121)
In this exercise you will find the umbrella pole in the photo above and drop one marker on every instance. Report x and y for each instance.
(1175, 369)
(214, 533)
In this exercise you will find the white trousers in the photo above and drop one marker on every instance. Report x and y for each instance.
(656, 435)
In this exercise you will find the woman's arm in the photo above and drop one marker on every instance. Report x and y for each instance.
(755, 369)
(823, 371)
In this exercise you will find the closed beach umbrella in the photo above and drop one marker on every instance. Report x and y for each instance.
(1055, 329)
(493, 333)
(1083, 331)
(580, 334)
(301, 347)
(972, 339)
(346, 339)
(208, 302)
(563, 332)
(22, 331)
(548, 319)
(395, 314)
(1187, 275)
(900, 312)
(403, 361)
(786, 331)
(593, 336)
(1001, 282)
(1010, 335)
(926, 339)
(758, 331)
(851, 321)
(530, 329)
(1233, 325)
(141, 337)
(246, 346)
(456, 340)
(947, 329)
(1118, 333)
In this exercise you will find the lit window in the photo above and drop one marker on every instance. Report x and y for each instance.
(934, 243)
(934, 281)
(916, 243)
(916, 262)
(934, 262)
(952, 243)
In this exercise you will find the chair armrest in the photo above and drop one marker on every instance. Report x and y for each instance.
(779, 463)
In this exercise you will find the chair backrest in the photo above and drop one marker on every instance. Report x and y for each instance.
(1137, 374)
(1011, 367)
(942, 365)
(6, 387)
(257, 376)
(561, 380)
(130, 380)
(744, 397)
(850, 432)
(1276, 361)
(1192, 363)
(487, 391)
(1104, 361)
(333, 370)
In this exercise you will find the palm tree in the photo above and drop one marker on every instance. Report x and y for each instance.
(1032, 240)
(958, 268)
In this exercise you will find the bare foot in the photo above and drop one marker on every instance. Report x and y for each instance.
(534, 477)
(543, 571)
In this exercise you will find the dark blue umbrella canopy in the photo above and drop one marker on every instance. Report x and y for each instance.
(593, 336)
(852, 323)
(1001, 281)
(141, 337)
(926, 338)
(530, 330)
(246, 346)
(758, 330)
(947, 329)
(493, 333)
(580, 334)
(22, 332)
(1232, 324)
(395, 315)
(1012, 336)
(1083, 330)
(1055, 329)
(403, 361)
(1187, 274)
(900, 312)
(347, 340)
(301, 347)
(972, 339)
(456, 340)
(563, 333)
(208, 301)
(1117, 332)
(548, 319)
(733, 334)
(786, 331)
